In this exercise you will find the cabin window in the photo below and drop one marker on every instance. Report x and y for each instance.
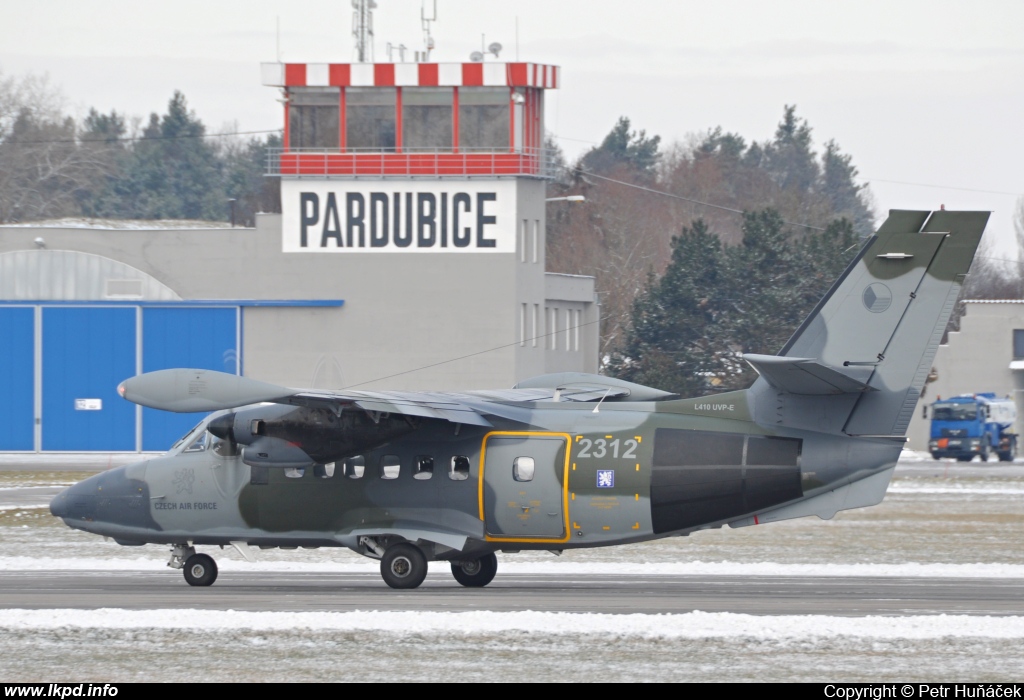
(313, 114)
(353, 467)
(484, 118)
(523, 468)
(427, 119)
(324, 471)
(423, 468)
(370, 119)
(459, 469)
(294, 472)
(390, 467)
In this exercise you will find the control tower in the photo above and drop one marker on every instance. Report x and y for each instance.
(426, 183)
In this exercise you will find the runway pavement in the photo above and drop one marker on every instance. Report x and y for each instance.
(290, 591)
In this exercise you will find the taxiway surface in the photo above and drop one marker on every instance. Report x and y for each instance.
(619, 594)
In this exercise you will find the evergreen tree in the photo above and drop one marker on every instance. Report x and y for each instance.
(838, 184)
(621, 147)
(172, 173)
(690, 327)
(790, 158)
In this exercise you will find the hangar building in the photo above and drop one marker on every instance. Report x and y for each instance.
(985, 355)
(409, 254)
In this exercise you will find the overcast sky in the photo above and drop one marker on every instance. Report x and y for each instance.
(924, 92)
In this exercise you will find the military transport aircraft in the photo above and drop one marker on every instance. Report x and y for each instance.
(557, 462)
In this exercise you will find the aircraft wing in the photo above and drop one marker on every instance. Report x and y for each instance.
(199, 390)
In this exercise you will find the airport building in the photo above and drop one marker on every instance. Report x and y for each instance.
(985, 355)
(409, 254)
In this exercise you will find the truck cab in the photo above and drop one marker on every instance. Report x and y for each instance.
(970, 425)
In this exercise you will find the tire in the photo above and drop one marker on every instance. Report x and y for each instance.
(403, 566)
(200, 570)
(1005, 457)
(476, 573)
(964, 458)
(936, 455)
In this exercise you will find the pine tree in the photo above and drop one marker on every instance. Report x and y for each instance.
(691, 327)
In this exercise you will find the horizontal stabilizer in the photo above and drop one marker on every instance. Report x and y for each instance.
(801, 375)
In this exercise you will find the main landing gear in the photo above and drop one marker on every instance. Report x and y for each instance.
(403, 565)
(475, 573)
(199, 569)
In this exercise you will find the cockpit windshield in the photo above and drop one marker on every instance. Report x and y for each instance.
(955, 411)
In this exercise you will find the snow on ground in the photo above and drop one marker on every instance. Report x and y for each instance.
(562, 569)
(122, 224)
(693, 625)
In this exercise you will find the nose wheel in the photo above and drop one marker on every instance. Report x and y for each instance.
(200, 570)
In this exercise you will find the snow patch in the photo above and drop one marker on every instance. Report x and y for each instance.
(122, 224)
(694, 625)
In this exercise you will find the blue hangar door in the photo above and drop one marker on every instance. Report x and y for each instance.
(87, 351)
(17, 378)
(201, 338)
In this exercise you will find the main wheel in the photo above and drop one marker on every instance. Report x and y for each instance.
(200, 570)
(403, 566)
(476, 573)
(1005, 457)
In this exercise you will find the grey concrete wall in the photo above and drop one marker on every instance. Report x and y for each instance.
(573, 350)
(977, 359)
(406, 320)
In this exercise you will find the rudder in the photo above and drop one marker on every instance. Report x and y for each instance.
(882, 321)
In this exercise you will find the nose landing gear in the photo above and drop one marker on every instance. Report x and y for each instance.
(199, 569)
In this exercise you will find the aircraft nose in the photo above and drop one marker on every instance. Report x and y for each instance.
(78, 501)
(118, 496)
(59, 504)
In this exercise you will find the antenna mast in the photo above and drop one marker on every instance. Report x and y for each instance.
(362, 28)
(425, 21)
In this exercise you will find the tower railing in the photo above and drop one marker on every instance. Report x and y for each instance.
(412, 162)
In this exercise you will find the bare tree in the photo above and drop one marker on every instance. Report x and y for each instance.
(43, 169)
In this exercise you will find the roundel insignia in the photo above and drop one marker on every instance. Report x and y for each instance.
(877, 298)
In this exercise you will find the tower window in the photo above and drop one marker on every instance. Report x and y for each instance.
(313, 115)
(370, 119)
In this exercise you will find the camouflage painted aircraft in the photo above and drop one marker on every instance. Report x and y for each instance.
(559, 461)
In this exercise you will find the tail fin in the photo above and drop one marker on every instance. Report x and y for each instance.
(881, 323)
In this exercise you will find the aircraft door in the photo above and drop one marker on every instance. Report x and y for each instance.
(523, 486)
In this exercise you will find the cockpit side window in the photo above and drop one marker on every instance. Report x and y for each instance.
(221, 447)
(199, 443)
(187, 437)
